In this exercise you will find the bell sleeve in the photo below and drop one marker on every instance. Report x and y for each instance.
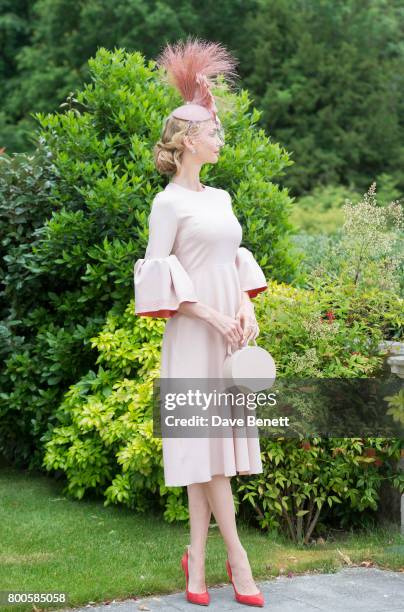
(161, 283)
(252, 278)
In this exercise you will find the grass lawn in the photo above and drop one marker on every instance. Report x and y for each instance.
(95, 554)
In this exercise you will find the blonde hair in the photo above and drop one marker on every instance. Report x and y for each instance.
(168, 151)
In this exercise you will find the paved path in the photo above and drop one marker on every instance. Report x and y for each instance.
(353, 589)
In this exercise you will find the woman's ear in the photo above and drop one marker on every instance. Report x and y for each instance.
(188, 144)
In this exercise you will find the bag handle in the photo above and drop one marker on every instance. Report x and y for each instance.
(229, 345)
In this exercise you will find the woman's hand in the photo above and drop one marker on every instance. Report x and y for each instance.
(229, 327)
(246, 317)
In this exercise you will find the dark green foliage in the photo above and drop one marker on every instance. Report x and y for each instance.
(328, 76)
(50, 44)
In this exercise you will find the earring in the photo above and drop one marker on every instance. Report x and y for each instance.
(193, 151)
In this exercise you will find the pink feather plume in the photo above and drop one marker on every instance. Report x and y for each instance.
(191, 65)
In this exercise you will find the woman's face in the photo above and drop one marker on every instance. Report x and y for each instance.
(207, 143)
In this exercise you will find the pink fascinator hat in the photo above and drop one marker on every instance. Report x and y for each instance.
(192, 68)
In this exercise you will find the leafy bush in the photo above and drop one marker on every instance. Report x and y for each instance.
(28, 382)
(74, 221)
(369, 236)
(369, 252)
(104, 441)
(332, 330)
(329, 331)
(303, 481)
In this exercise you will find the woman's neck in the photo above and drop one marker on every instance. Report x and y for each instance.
(189, 186)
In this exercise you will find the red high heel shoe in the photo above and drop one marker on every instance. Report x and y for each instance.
(249, 600)
(202, 599)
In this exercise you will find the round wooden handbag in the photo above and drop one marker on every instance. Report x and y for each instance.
(250, 366)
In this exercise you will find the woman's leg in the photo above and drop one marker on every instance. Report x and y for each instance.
(220, 498)
(199, 519)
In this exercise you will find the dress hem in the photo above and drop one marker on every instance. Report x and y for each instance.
(218, 474)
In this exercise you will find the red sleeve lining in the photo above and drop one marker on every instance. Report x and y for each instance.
(253, 292)
(166, 314)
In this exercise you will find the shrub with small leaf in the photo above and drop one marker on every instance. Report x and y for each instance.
(103, 441)
(310, 483)
(332, 329)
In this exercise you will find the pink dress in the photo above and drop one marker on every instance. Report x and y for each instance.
(193, 255)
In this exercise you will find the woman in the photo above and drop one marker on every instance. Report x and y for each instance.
(197, 276)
